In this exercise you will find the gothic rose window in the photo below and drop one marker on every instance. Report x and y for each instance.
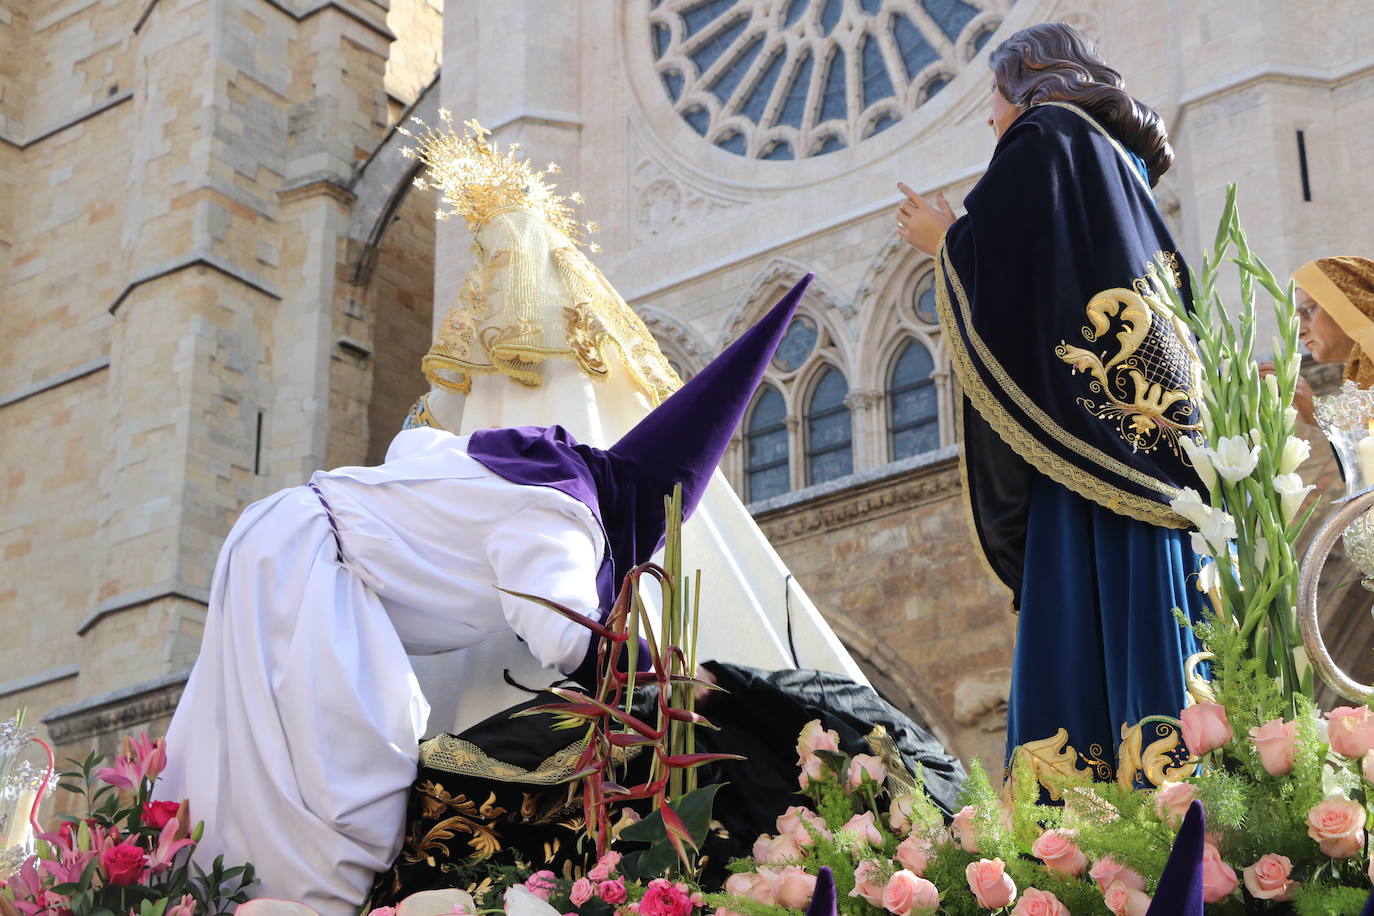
(788, 79)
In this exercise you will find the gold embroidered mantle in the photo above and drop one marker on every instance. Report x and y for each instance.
(535, 296)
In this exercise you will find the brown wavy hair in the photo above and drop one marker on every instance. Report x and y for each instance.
(1053, 61)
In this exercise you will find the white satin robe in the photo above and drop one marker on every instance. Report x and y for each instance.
(296, 739)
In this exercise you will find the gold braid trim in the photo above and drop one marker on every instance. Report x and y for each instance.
(454, 755)
(1021, 440)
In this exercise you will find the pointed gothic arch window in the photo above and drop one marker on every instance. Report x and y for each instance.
(766, 448)
(829, 433)
(913, 403)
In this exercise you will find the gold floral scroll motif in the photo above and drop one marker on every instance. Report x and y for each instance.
(1145, 765)
(1144, 378)
(449, 362)
(1057, 765)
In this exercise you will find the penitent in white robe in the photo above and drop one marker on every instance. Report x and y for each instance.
(753, 611)
(296, 739)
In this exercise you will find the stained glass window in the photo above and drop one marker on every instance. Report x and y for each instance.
(765, 447)
(796, 344)
(924, 302)
(818, 75)
(829, 445)
(913, 405)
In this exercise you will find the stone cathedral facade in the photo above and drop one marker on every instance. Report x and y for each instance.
(217, 277)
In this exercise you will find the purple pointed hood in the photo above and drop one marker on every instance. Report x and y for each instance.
(680, 441)
(1180, 886)
(824, 901)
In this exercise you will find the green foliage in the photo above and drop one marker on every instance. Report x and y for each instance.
(1325, 899)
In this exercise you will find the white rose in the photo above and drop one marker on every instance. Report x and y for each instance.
(1291, 493)
(1234, 458)
(1201, 458)
(1295, 452)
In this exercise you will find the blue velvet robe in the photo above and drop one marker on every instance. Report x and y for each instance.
(1079, 384)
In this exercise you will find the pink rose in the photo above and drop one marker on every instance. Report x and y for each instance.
(1218, 878)
(1269, 878)
(812, 769)
(1367, 768)
(1126, 901)
(795, 887)
(541, 884)
(1172, 800)
(123, 864)
(899, 813)
(1351, 731)
(816, 738)
(914, 854)
(865, 765)
(612, 891)
(582, 891)
(990, 883)
(605, 866)
(741, 884)
(864, 827)
(868, 883)
(664, 898)
(1107, 871)
(907, 893)
(1275, 741)
(776, 850)
(1035, 902)
(1059, 853)
(1205, 728)
(1337, 825)
(964, 831)
(793, 822)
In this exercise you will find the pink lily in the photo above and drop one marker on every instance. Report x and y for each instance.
(149, 756)
(167, 847)
(125, 774)
(68, 867)
(186, 906)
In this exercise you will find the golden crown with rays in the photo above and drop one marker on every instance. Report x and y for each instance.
(477, 180)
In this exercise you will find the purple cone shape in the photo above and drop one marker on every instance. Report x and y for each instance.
(1180, 887)
(823, 901)
(680, 441)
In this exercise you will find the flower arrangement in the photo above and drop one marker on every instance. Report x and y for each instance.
(127, 855)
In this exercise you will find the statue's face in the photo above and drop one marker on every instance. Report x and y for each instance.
(1003, 112)
(1319, 332)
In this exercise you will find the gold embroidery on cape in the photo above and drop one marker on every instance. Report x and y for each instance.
(1053, 762)
(1147, 388)
(420, 416)
(454, 755)
(468, 818)
(1020, 439)
(1163, 758)
(1058, 766)
(899, 780)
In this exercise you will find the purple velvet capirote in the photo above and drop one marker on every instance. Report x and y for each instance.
(680, 441)
(1180, 886)
(824, 901)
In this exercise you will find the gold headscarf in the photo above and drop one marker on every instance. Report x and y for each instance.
(533, 294)
(1344, 287)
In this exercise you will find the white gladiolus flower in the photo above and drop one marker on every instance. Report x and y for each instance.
(1200, 545)
(1201, 458)
(1290, 415)
(1291, 493)
(1208, 577)
(1261, 551)
(1189, 504)
(1234, 458)
(1218, 529)
(1295, 452)
(1271, 385)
